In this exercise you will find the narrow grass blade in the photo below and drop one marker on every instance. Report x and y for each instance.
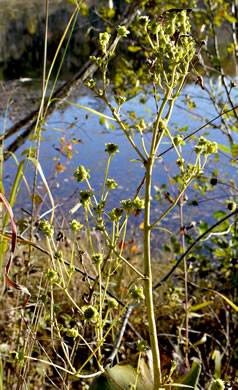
(89, 109)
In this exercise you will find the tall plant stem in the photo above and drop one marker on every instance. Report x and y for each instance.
(185, 283)
(148, 279)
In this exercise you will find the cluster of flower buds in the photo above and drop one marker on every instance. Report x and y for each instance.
(81, 173)
(97, 258)
(172, 42)
(84, 197)
(206, 147)
(75, 225)
(46, 228)
(52, 276)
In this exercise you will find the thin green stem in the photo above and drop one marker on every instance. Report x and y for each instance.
(123, 237)
(88, 229)
(148, 282)
(90, 188)
(104, 337)
(124, 129)
(100, 302)
(105, 177)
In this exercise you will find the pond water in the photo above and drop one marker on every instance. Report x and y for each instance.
(85, 136)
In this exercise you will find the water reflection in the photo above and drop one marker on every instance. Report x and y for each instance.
(85, 138)
(22, 25)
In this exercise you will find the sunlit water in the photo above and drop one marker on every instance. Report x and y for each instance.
(82, 132)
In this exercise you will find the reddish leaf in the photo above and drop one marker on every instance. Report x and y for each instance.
(9, 282)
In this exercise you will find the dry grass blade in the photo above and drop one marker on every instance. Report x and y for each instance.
(9, 282)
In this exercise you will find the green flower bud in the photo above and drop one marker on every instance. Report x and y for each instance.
(180, 162)
(144, 20)
(112, 303)
(127, 205)
(212, 148)
(59, 255)
(122, 31)
(75, 225)
(202, 142)
(90, 83)
(84, 197)
(142, 345)
(138, 204)
(141, 125)
(178, 140)
(99, 207)
(52, 276)
(137, 293)
(104, 41)
(116, 214)
(90, 313)
(111, 149)
(97, 258)
(46, 228)
(119, 100)
(73, 333)
(111, 184)
(19, 356)
(198, 149)
(81, 173)
(96, 60)
(231, 205)
(13, 355)
(104, 38)
(217, 384)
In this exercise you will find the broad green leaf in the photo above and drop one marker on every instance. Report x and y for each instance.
(219, 214)
(190, 380)
(224, 148)
(124, 374)
(203, 227)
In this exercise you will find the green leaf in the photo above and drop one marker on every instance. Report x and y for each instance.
(122, 375)
(176, 245)
(219, 214)
(203, 227)
(165, 230)
(219, 252)
(200, 306)
(230, 18)
(234, 150)
(134, 49)
(223, 148)
(88, 109)
(190, 380)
